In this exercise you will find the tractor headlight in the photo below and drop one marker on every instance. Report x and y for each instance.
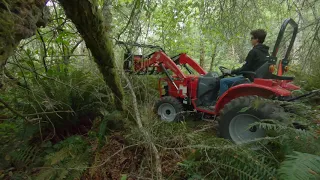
(272, 68)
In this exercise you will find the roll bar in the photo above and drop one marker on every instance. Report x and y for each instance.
(280, 37)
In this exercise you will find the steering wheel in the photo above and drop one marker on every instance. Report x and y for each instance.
(222, 68)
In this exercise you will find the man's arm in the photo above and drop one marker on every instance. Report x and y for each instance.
(248, 65)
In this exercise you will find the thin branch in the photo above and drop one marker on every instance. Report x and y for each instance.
(44, 51)
(42, 75)
(7, 73)
(51, 112)
(67, 57)
(75, 46)
(136, 2)
(310, 49)
(12, 110)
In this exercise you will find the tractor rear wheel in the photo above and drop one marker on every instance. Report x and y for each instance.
(169, 109)
(239, 114)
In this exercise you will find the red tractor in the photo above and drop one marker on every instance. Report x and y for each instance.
(245, 103)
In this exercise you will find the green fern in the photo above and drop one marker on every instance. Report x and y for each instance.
(230, 161)
(69, 160)
(58, 156)
(25, 155)
(300, 166)
(281, 128)
(46, 174)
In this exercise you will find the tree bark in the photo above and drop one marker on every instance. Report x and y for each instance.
(88, 19)
(19, 20)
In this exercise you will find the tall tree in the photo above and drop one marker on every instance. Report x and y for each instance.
(20, 19)
(87, 17)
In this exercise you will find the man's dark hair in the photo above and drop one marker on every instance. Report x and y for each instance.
(259, 34)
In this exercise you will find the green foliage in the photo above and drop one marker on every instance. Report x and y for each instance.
(60, 88)
(146, 88)
(214, 158)
(8, 142)
(63, 102)
(226, 160)
(102, 130)
(299, 166)
(236, 162)
(24, 155)
(68, 160)
(204, 156)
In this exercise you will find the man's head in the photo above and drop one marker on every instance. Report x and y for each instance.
(258, 36)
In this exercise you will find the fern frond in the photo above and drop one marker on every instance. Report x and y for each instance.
(241, 173)
(46, 174)
(25, 155)
(300, 166)
(59, 156)
(69, 161)
(283, 129)
(62, 173)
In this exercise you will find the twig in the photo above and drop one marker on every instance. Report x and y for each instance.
(12, 110)
(52, 112)
(38, 74)
(136, 2)
(7, 73)
(44, 51)
(317, 28)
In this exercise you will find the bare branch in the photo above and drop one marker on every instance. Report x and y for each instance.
(45, 51)
(13, 110)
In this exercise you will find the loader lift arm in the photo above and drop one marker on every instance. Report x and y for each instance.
(163, 62)
(160, 57)
(185, 60)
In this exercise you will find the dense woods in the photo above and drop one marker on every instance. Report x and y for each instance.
(69, 110)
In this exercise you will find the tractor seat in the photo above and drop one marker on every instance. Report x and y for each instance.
(264, 73)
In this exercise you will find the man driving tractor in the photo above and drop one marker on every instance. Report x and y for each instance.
(182, 92)
(255, 58)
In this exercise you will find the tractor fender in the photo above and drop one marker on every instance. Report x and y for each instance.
(250, 90)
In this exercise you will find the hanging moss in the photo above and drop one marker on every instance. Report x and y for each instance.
(87, 17)
(19, 19)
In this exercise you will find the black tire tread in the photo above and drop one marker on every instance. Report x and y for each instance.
(268, 106)
(176, 104)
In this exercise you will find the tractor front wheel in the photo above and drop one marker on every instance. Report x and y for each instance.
(237, 117)
(169, 109)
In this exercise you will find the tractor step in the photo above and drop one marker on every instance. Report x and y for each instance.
(206, 108)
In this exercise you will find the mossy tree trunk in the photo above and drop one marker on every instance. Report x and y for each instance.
(88, 19)
(19, 20)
